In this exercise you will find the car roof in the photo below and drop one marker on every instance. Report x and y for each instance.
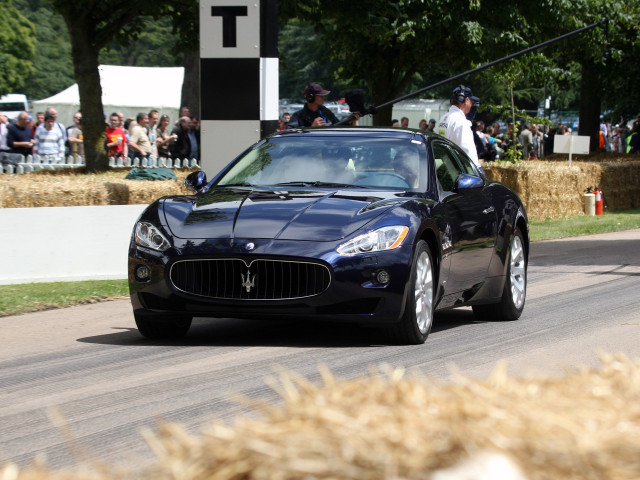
(391, 132)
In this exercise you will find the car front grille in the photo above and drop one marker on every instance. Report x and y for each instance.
(259, 279)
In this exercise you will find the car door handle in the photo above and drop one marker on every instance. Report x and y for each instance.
(489, 210)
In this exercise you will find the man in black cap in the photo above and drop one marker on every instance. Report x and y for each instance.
(314, 113)
(454, 124)
(432, 124)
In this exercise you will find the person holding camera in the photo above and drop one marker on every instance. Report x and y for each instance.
(181, 146)
(314, 113)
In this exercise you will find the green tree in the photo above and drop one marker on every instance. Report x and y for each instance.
(621, 89)
(92, 24)
(297, 40)
(395, 47)
(17, 48)
(152, 48)
(385, 45)
(185, 20)
(606, 57)
(53, 70)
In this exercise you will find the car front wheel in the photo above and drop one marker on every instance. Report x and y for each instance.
(515, 286)
(415, 324)
(162, 328)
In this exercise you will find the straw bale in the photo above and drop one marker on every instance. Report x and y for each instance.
(50, 190)
(552, 189)
(585, 424)
(549, 188)
(75, 188)
(146, 192)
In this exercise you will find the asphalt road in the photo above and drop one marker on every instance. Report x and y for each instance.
(79, 384)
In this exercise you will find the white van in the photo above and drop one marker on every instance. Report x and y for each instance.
(12, 104)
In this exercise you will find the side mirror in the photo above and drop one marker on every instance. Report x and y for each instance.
(196, 181)
(466, 183)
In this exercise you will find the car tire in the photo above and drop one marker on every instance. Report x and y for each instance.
(514, 293)
(415, 324)
(162, 328)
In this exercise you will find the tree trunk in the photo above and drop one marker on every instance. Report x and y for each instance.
(87, 75)
(590, 103)
(191, 83)
(380, 89)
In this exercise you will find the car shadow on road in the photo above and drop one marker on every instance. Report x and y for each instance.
(229, 332)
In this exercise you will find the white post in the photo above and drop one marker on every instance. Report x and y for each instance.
(570, 148)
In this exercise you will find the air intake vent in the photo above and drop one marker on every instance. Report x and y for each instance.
(260, 279)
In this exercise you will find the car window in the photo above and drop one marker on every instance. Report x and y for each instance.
(361, 161)
(465, 162)
(447, 166)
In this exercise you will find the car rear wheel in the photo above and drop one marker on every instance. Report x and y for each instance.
(162, 328)
(415, 324)
(514, 294)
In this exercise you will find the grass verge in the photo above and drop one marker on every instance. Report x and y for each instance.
(551, 228)
(32, 297)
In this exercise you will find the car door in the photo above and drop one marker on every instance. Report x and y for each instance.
(469, 221)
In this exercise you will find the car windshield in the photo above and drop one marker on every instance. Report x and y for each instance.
(332, 161)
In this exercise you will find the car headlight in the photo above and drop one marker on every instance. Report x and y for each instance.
(148, 235)
(385, 238)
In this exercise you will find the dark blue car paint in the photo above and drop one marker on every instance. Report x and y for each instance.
(469, 248)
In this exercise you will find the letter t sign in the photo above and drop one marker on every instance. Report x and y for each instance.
(229, 31)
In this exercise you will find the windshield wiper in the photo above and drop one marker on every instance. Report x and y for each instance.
(243, 184)
(300, 183)
(336, 185)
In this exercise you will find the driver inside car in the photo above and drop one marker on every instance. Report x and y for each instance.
(406, 163)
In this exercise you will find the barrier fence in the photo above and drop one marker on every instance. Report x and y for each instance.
(13, 163)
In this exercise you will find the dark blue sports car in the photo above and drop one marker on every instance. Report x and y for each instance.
(377, 226)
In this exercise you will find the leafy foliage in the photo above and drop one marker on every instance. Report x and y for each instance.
(53, 69)
(153, 47)
(621, 95)
(297, 39)
(92, 25)
(388, 45)
(395, 47)
(17, 48)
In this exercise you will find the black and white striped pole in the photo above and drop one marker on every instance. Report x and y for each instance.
(238, 77)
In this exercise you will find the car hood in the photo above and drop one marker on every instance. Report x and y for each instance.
(306, 214)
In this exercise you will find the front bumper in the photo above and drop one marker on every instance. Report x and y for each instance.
(353, 293)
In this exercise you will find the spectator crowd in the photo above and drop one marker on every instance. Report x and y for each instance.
(535, 141)
(147, 137)
(151, 136)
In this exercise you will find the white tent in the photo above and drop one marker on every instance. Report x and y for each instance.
(129, 90)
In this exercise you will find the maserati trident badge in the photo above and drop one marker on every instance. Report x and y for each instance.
(248, 282)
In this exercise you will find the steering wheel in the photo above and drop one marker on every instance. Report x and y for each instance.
(393, 180)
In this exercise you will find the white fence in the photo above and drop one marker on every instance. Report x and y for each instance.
(34, 163)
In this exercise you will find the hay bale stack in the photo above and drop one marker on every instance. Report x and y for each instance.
(584, 424)
(74, 188)
(549, 188)
(552, 189)
(141, 191)
(620, 183)
(19, 191)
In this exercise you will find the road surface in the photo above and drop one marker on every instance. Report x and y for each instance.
(89, 366)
